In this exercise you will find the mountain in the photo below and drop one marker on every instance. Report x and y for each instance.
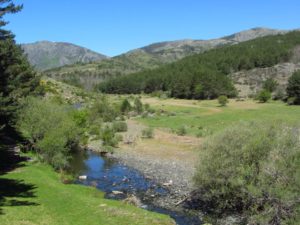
(46, 55)
(231, 70)
(149, 57)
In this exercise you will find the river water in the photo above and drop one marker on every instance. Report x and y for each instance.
(109, 176)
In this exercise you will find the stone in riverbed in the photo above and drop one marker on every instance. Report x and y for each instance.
(82, 177)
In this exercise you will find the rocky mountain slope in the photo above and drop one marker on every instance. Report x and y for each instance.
(149, 57)
(46, 55)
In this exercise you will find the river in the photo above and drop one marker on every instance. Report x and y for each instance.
(111, 177)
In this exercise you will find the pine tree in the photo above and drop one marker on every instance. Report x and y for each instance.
(17, 77)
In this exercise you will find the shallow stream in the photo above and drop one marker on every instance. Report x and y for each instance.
(119, 182)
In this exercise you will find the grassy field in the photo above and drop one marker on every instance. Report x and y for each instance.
(203, 118)
(33, 194)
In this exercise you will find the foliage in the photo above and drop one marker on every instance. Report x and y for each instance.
(263, 183)
(205, 76)
(108, 137)
(17, 79)
(148, 132)
(138, 105)
(50, 129)
(119, 126)
(264, 96)
(223, 100)
(125, 106)
(103, 109)
(270, 85)
(293, 88)
(181, 131)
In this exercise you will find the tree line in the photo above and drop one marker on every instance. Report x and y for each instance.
(205, 76)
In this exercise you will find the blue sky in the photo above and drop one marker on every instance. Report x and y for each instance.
(112, 27)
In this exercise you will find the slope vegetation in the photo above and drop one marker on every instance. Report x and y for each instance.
(206, 75)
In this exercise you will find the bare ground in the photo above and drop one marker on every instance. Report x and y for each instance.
(168, 159)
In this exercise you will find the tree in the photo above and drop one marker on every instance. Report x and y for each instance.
(7, 7)
(270, 85)
(223, 100)
(293, 88)
(264, 96)
(17, 77)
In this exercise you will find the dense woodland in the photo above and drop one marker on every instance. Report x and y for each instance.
(204, 76)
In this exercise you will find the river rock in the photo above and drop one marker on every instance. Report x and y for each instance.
(117, 192)
(82, 177)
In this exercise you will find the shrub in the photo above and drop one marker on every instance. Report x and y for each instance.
(223, 100)
(120, 126)
(291, 100)
(252, 168)
(125, 106)
(181, 131)
(264, 96)
(148, 133)
(138, 106)
(50, 128)
(103, 109)
(293, 88)
(107, 135)
(270, 85)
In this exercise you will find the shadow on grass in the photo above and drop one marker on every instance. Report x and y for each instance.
(9, 161)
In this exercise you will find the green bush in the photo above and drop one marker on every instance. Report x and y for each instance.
(252, 169)
(264, 96)
(50, 128)
(293, 88)
(125, 106)
(138, 106)
(223, 100)
(108, 137)
(119, 126)
(148, 132)
(181, 131)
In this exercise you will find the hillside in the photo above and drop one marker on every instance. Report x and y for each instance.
(46, 55)
(149, 57)
(207, 75)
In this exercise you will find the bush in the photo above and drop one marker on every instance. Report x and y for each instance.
(138, 106)
(293, 88)
(223, 100)
(181, 131)
(50, 128)
(291, 100)
(107, 135)
(253, 169)
(264, 96)
(270, 85)
(148, 133)
(120, 126)
(125, 106)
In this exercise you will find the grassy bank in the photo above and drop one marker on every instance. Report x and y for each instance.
(206, 117)
(33, 194)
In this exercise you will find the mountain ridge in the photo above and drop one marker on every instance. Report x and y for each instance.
(151, 56)
(47, 54)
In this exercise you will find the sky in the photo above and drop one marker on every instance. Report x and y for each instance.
(112, 27)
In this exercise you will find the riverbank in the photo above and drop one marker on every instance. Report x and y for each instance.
(34, 194)
(167, 158)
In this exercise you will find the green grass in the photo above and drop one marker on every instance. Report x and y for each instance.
(209, 117)
(56, 203)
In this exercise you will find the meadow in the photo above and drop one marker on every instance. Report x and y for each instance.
(203, 118)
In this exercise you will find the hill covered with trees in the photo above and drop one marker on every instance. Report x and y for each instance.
(206, 75)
